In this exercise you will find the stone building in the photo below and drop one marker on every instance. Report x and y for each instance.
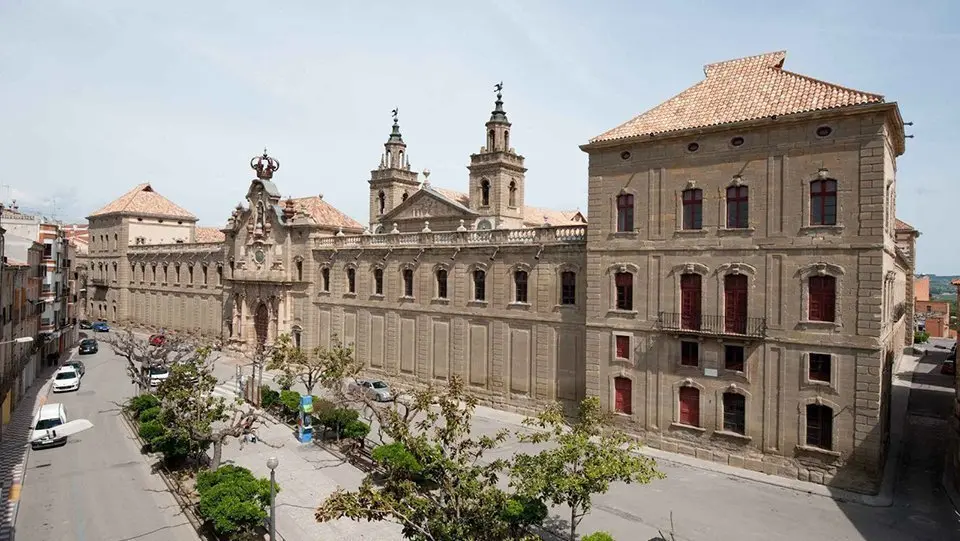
(740, 293)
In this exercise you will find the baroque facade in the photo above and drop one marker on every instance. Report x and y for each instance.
(739, 295)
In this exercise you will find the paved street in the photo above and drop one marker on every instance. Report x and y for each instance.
(98, 487)
(706, 505)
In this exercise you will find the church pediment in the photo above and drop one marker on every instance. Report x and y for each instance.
(427, 204)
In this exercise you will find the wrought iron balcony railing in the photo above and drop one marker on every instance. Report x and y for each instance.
(750, 327)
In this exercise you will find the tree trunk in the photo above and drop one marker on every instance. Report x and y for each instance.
(217, 454)
(573, 523)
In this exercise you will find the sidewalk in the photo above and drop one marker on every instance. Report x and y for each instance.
(15, 446)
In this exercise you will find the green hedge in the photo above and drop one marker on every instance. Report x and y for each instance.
(151, 430)
(141, 403)
(233, 500)
(920, 337)
(149, 414)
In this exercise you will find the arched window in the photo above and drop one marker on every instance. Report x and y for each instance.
(490, 140)
(299, 271)
(441, 283)
(822, 293)
(382, 200)
(624, 212)
(325, 279)
(738, 207)
(116, 243)
(297, 337)
(378, 281)
(819, 426)
(506, 141)
(624, 285)
(479, 285)
(485, 193)
(823, 202)
(520, 278)
(693, 208)
(513, 193)
(351, 280)
(408, 282)
(734, 413)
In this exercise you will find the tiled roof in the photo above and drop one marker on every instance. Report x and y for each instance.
(209, 234)
(324, 213)
(15, 263)
(904, 226)
(532, 216)
(142, 200)
(739, 90)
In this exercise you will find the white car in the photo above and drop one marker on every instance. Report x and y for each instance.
(45, 424)
(66, 379)
(158, 374)
(374, 389)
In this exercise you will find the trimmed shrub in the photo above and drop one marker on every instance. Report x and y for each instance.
(150, 430)
(140, 403)
(149, 414)
(336, 419)
(522, 512)
(269, 399)
(290, 401)
(920, 337)
(598, 536)
(356, 430)
(233, 500)
(397, 460)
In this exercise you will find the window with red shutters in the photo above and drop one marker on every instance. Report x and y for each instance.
(624, 213)
(689, 406)
(822, 294)
(624, 285)
(623, 392)
(623, 346)
(735, 303)
(691, 296)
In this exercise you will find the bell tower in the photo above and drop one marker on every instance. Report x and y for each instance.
(393, 181)
(497, 174)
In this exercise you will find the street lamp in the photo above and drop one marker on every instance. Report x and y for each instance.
(272, 463)
(21, 340)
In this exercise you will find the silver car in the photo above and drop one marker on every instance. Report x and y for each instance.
(374, 389)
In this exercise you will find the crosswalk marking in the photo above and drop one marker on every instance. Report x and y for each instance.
(227, 389)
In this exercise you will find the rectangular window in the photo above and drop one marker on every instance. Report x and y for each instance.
(734, 413)
(624, 213)
(568, 287)
(479, 285)
(738, 208)
(823, 202)
(691, 300)
(690, 353)
(733, 357)
(689, 406)
(819, 426)
(819, 367)
(624, 285)
(351, 281)
(623, 346)
(442, 284)
(520, 283)
(408, 282)
(299, 271)
(822, 298)
(693, 209)
(623, 393)
(378, 281)
(325, 279)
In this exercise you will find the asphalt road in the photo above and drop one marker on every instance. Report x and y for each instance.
(97, 487)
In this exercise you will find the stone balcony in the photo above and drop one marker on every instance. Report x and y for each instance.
(570, 234)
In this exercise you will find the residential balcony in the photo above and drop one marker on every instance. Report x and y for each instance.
(98, 281)
(707, 325)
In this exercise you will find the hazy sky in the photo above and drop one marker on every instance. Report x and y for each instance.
(99, 95)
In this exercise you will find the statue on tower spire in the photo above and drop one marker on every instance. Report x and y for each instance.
(395, 136)
(498, 114)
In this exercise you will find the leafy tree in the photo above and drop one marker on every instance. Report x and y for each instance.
(141, 356)
(586, 457)
(233, 500)
(461, 500)
(319, 366)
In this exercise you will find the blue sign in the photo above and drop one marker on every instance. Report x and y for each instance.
(306, 404)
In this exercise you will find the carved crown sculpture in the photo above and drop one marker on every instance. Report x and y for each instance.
(264, 165)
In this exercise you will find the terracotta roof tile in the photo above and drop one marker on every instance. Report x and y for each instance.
(209, 234)
(532, 216)
(739, 90)
(904, 226)
(324, 213)
(142, 200)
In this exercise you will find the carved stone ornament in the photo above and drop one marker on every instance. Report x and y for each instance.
(737, 181)
(821, 269)
(691, 184)
(687, 382)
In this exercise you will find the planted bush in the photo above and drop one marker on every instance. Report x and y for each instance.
(397, 460)
(920, 337)
(149, 414)
(290, 400)
(356, 430)
(269, 399)
(336, 419)
(140, 403)
(151, 430)
(598, 536)
(233, 500)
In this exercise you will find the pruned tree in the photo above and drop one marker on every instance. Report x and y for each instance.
(455, 494)
(585, 457)
(328, 367)
(195, 413)
(142, 357)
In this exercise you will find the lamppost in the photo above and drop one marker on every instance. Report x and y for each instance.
(21, 340)
(272, 463)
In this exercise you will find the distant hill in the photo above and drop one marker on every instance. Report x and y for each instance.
(940, 285)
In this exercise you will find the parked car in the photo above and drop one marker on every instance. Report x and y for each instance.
(77, 365)
(66, 379)
(158, 374)
(157, 339)
(949, 367)
(84, 324)
(374, 389)
(100, 326)
(49, 417)
(88, 346)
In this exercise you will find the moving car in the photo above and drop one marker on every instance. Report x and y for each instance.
(66, 379)
(88, 346)
(77, 365)
(158, 374)
(374, 389)
(100, 326)
(157, 340)
(49, 417)
(84, 324)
